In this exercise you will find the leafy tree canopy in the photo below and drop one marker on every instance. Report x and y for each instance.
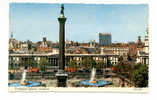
(43, 64)
(140, 75)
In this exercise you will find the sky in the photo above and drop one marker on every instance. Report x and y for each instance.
(33, 21)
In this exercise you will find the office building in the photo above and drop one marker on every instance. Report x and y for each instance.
(105, 39)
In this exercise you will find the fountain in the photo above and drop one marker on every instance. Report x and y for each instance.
(92, 79)
(93, 82)
(24, 82)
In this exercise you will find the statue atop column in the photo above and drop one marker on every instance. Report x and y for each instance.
(62, 11)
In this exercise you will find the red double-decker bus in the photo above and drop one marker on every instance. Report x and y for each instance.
(33, 69)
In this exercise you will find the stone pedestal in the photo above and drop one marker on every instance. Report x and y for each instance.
(61, 79)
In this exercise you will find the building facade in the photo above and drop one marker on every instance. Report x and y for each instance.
(20, 60)
(121, 51)
(143, 54)
(146, 43)
(105, 39)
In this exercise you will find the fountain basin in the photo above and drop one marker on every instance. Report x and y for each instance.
(29, 84)
(94, 84)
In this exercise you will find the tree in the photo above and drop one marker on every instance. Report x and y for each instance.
(43, 64)
(120, 59)
(84, 62)
(137, 66)
(28, 62)
(120, 67)
(71, 66)
(11, 64)
(123, 68)
(71, 63)
(109, 63)
(140, 75)
(89, 62)
(100, 65)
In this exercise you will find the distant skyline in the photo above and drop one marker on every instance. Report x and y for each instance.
(33, 21)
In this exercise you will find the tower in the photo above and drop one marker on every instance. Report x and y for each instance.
(146, 42)
(44, 43)
(62, 20)
(92, 43)
(139, 42)
(105, 39)
(61, 75)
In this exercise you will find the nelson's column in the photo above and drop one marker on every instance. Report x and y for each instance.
(61, 75)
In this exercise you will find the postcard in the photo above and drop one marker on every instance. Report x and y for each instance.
(78, 47)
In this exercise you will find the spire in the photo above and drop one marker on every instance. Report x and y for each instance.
(139, 42)
(139, 38)
(146, 42)
(147, 32)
